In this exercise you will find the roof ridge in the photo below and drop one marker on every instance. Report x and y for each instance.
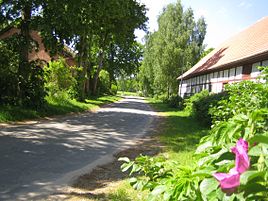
(250, 41)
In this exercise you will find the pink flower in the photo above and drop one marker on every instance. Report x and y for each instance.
(230, 181)
(241, 155)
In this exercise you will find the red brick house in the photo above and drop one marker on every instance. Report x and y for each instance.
(234, 60)
(41, 53)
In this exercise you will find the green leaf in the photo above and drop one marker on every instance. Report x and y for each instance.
(133, 180)
(125, 159)
(126, 166)
(203, 147)
(259, 138)
(139, 185)
(254, 188)
(212, 157)
(207, 186)
(224, 162)
(167, 194)
(204, 172)
(158, 190)
(249, 175)
(255, 151)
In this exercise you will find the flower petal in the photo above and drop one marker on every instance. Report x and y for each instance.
(228, 180)
(241, 156)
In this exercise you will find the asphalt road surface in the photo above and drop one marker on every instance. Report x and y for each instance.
(37, 157)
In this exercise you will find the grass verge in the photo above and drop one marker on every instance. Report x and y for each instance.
(53, 107)
(179, 134)
(126, 93)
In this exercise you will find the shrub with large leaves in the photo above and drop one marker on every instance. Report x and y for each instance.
(244, 97)
(244, 118)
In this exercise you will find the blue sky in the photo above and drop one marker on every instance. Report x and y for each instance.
(224, 17)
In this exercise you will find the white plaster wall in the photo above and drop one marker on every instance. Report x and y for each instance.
(183, 89)
(216, 87)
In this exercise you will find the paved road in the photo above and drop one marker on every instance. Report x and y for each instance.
(37, 156)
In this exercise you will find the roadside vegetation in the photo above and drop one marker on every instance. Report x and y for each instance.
(61, 96)
(230, 162)
(98, 45)
(54, 107)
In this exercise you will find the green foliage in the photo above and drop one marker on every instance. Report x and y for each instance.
(214, 152)
(127, 83)
(60, 83)
(11, 82)
(163, 182)
(175, 101)
(175, 47)
(104, 79)
(9, 62)
(114, 89)
(200, 104)
(189, 103)
(103, 38)
(53, 106)
(33, 88)
(244, 97)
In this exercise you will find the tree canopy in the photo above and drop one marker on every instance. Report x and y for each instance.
(96, 30)
(174, 48)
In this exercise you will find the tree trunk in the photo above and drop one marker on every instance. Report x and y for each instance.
(83, 57)
(24, 65)
(96, 75)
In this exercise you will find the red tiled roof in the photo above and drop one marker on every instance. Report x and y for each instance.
(249, 43)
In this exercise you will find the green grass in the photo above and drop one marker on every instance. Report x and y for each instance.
(126, 93)
(179, 133)
(53, 107)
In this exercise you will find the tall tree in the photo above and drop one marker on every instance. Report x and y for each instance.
(175, 47)
(117, 21)
(20, 14)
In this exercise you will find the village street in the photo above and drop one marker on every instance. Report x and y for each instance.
(36, 158)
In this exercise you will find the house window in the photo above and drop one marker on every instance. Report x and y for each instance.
(226, 74)
(238, 74)
(220, 76)
(232, 74)
(203, 79)
(254, 70)
(265, 63)
(210, 76)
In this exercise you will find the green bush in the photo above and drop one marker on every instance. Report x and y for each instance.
(199, 105)
(244, 97)
(195, 98)
(201, 108)
(60, 83)
(104, 85)
(113, 89)
(175, 101)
